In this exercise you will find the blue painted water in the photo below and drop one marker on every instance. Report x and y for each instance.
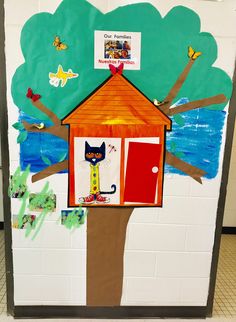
(38, 145)
(199, 139)
(198, 142)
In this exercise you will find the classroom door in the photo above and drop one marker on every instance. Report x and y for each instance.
(142, 172)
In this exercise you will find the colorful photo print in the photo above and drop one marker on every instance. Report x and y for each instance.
(114, 47)
(42, 201)
(21, 223)
(117, 49)
(17, 188)
(72, 218)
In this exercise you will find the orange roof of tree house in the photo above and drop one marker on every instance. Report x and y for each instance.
(117, 102)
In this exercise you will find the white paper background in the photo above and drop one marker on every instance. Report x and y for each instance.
(132, 64)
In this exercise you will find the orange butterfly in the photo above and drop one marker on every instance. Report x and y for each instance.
(58, 44)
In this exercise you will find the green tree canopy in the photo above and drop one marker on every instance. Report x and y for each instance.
(163, 56)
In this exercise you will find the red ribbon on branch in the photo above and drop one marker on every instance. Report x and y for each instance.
(34, 97)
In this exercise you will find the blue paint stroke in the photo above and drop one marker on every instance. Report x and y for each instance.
(199, 139)
(40, 144)
(181, 101)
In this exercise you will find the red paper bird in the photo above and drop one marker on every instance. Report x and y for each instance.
(34, 97)
(116, 70)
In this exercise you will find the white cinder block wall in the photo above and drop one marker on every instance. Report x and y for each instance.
(168, 251)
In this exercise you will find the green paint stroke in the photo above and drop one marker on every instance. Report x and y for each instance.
(18, 186)
(41, 200)
(45, 200)
(75, 218)
(36, 225)
(22, 209)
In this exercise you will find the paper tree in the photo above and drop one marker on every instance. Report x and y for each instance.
(170, 70)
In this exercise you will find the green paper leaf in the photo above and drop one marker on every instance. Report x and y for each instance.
(46, 160)
(63, 157)
(179, 119)
(176, 31)
(172, 147)
(18, 126)
(179, 155)
(22, 136)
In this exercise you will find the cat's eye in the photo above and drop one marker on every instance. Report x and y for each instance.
(89, 155)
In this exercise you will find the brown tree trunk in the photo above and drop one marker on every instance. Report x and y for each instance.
(106, 233)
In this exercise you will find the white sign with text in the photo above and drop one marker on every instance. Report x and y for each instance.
(116, 47)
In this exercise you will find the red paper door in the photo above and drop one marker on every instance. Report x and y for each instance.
(142, 172)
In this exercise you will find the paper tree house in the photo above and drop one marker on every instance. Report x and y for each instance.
(120, 119)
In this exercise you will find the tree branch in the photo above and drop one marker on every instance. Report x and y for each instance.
(218, 99)
(176, 88)
(62, 131)
(40, 106)
(185, 167)
(172, 160)
(52, 169)
(57, 130)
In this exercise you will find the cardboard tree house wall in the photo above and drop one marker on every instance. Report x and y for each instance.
(133, 130)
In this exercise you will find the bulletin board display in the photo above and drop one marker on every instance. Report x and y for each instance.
(114, 103)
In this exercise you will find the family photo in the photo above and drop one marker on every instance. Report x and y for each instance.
(117, 49)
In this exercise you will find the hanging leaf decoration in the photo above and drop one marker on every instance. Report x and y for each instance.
(22, 136)
(179, 155)
(18, 126)
(172, 147)
(179, 120)
(62, 157)
(46, 160)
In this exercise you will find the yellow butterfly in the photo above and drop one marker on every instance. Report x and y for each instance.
(193, 54)
(58, 44)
